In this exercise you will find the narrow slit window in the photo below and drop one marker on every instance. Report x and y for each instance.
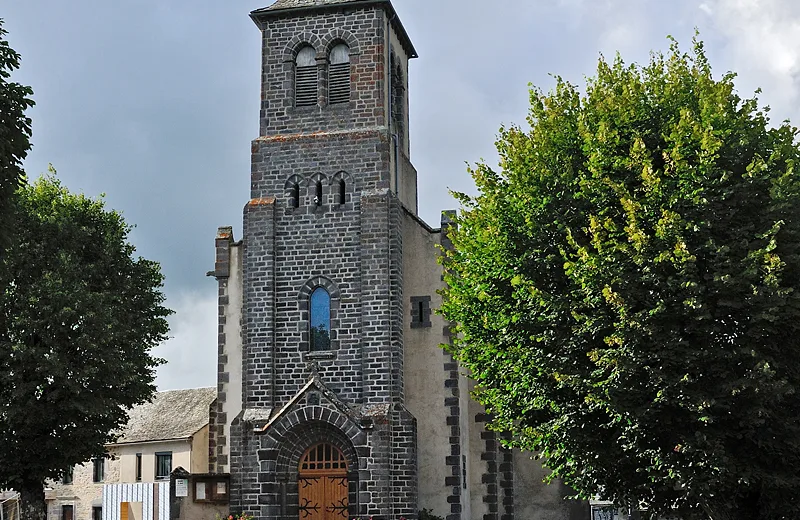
(342, 191)
(320, 329)
(296, 196)
(339, 75)
(305, 78)
(420, 312)
(318, 197)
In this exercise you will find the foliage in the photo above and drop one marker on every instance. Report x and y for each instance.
(15, 133)
(626, 291)
(320, 338)
(427, 514)
(234, 516)
(79, 316)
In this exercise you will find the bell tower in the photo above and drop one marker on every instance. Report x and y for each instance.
(322, 319)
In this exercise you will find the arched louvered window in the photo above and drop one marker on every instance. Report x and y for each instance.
(339, 75)
(342, 191)
(320, 333)
(305, 78)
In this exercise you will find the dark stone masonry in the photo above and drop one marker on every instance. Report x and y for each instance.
(334, 398)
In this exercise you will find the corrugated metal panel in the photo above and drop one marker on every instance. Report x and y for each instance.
(305, 88)
(163, 504)
(114, 495)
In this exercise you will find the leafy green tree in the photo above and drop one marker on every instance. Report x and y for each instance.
(15, 133)
(626, 289)
(79, 316)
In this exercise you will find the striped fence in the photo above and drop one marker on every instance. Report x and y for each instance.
(154, 498)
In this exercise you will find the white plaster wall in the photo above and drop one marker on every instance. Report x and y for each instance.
(233, 349)
(535, 500)
(199, 452)
(424, 374)
(181, 456)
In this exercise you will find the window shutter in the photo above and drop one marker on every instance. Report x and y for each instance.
(306, 86)
(339, 83)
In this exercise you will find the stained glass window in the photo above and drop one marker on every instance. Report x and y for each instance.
(320, 333)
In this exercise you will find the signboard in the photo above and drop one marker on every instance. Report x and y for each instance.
(199, 490)
(181, 487)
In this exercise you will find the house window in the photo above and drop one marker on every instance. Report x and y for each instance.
(320, 333)
(305, 77)
(98, 469)
(163, 465)
(339, 75)
(420, 312)
(138, 467)
(97, 513)
(67, 513)
(68, 476)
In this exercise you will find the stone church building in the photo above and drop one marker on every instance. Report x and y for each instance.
(334, 398)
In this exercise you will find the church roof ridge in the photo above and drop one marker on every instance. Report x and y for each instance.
(294, 4)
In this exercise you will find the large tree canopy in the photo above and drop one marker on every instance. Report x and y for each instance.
(626, 291)
(15, 133)
(79, 316)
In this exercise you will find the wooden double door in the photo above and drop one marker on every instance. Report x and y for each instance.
(322, 484)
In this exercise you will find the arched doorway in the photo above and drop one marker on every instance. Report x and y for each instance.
(322, 483)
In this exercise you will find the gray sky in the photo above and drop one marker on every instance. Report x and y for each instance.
(155, 102)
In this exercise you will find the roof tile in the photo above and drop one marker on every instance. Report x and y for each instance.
(175, 414)
(291, 4)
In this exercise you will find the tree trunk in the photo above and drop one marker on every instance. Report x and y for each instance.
(32, 504)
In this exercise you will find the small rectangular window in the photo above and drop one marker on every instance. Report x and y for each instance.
(67, 513)
(420, 312)
(98, 470)
(97, 513)
(138, 467)
(163, 465)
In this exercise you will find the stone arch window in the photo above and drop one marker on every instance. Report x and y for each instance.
(291, 191)
(318, 303)
(319, 333)
(342, 188)
(342, 192)
(318, 193)
(305, 77)
(339, 75)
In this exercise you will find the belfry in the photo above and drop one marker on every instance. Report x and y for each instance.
(335, 400)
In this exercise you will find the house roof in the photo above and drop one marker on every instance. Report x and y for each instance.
(175, 414)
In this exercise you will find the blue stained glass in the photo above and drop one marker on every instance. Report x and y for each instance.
(320, 333)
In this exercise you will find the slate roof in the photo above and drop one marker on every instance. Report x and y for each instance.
(175, 414)
(291, 4)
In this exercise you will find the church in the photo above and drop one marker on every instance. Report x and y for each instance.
(334, 398)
